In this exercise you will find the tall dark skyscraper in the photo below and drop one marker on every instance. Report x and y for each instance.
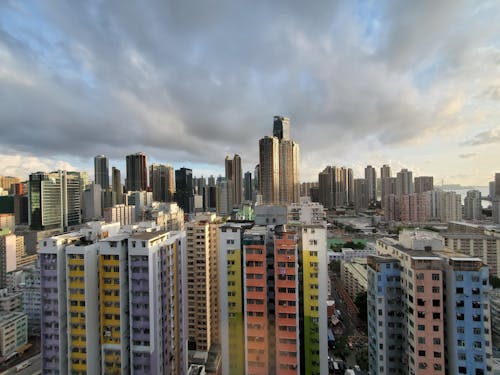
(101, 171)
(184, 195)
(117, 187)
(137, 172)
(281, 128)
(248, 186)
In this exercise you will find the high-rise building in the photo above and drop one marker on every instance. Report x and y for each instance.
(10, 247)
(184, 194)
(404, 183)
(289, 181)
(497, 184)
(371, 183)
(92, 204)
(281, 128)
(248, 184)
(162, 183)
(273, 313)
(423, 184)
(6, 182)
(113, 306)
(388, 187)
(137, 172)
(234, 180)
(269, 169)
(210, 198)
(385, 171)
(418, 335)
(472, 205)
(223, 192)
(54, 200)
(117, 186)
(361, 201)
(391, 207)
(475, 240)
(203, 287)
(334, 186)
(101, 171)
(279, 167)
(256, 178)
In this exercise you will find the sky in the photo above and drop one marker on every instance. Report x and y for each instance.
(411, 84)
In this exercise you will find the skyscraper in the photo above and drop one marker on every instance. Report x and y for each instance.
(361, 201)
(385, 171)
(54, 200)
(279, 167)
(272, 314)
(202, 282)
(269, 169)
(404, 183)
(184, 195)
(234, 180)
(248, 186)
(101, 171)
(472, 205)
(334, 186)
(161, 179)
(281, 128)
(117, 185)
(289, 181)
(137, 172)
(116, 305)
(371, 183)
(423, 184)
(427, 308)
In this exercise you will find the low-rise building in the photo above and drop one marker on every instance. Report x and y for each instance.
(13, 332)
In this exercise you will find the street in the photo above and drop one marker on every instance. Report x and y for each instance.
(34, 369)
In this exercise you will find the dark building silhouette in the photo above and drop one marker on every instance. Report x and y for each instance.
(184, 195)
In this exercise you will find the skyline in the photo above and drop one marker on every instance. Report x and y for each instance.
(362, 83)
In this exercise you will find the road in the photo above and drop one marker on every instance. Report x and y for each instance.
(33, 369)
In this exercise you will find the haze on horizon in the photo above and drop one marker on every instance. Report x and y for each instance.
(412, 84)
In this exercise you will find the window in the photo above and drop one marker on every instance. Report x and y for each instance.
(435, 276)
(420, 289)
(435, 289)
(436, 341)
(421, 353)
(436, 303)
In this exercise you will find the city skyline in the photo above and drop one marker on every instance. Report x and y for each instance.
(362, 83)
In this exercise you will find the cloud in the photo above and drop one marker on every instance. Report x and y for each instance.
(484, 138)
(186, 81)
(467, 156)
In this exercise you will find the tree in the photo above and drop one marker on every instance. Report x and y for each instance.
(362, 358)
(495, 282)
(340, 348)
(362, 305)
(335, 266)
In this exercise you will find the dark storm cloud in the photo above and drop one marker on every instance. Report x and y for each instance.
(190, 80)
